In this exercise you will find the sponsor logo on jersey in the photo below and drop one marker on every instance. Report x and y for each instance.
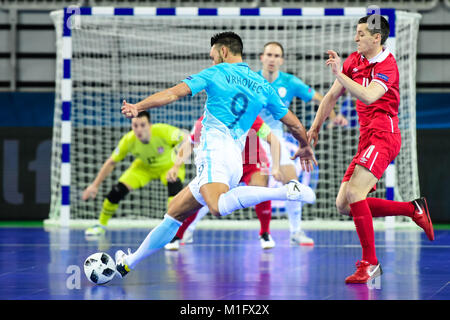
(355, 69)
(382, 76)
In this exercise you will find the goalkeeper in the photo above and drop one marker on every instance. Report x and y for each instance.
(153, 146)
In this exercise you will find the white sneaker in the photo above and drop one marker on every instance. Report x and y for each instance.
(173, 245)
(188, 237)
(97, 230)
(297, 191)
(121, 266)
(300, 238)
(266, 241)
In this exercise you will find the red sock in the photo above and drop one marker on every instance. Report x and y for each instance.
(186, 223)
(264, 214)
(385, 208)
(362, 218)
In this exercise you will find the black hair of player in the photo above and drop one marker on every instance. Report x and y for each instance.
(144, 114)
(276, 44)
(230, 40)
(376, 24)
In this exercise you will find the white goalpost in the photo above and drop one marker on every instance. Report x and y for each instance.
(105, 55)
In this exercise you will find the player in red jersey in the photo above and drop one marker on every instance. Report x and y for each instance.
(371, 75)
(255, 173)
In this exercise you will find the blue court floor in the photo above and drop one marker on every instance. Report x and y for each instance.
(225, 265)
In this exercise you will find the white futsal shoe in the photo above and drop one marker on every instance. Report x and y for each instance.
(121, 266)
(188, 237)
(300, 238)
(266, 241)
(173, 245)
(297, 191)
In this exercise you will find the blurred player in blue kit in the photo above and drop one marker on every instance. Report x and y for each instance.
(288, 87)
(235, 97)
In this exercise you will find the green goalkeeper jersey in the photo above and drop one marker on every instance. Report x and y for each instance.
(159, 152)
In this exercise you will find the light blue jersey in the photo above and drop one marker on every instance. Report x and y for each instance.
(236, 95)
(287, 86)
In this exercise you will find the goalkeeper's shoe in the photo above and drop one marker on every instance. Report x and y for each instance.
(121, 266)
(364, 272)
(173, 245)
(97, 230)
(422, 217)
(266, 241)
(300, 192)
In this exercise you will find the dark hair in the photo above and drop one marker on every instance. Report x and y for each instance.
(230, 40)
(274, 43)
(377, 24)
(144, 114)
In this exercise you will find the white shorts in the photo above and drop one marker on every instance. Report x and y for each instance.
(220, 163)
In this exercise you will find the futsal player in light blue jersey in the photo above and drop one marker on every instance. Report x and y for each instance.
(288, 87)
(235, 96)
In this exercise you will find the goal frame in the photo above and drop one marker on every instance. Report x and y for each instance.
(70, 22)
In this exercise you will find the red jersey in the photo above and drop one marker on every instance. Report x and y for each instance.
(252, 154)
(382, 114)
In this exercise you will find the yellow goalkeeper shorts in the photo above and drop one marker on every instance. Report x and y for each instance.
(140, 174)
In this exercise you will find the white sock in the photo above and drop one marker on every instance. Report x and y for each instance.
(200, 214)
(294, 211)
(155, 240)
(248, 196)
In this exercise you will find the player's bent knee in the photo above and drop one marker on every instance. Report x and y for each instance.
(343, 207)
(174, 187)
(117, 193)
(214, 210)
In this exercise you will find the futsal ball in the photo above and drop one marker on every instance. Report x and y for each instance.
(99, 268)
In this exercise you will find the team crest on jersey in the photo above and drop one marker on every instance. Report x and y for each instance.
(282, 92)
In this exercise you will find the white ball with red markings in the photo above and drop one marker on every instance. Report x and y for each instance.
(99, 268)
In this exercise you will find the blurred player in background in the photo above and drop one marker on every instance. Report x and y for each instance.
(371, 75)
(235, 96)
(288, 87)
(153, 146)
(255, 173)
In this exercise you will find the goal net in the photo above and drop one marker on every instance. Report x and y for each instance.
(105, 55)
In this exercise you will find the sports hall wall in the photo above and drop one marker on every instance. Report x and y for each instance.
(27, 79)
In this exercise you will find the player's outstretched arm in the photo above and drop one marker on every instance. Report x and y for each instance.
(304, 152)
(325, 108)
(92, 190)
(156, 100)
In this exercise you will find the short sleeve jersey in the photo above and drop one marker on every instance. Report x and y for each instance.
(157, 153)
(382, 114)
(235, 96)
(288, 87)
(253, 153)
